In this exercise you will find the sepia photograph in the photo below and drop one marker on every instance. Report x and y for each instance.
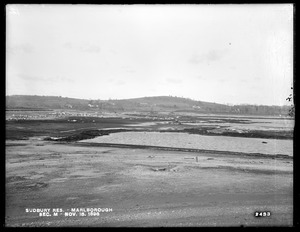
(174, 115)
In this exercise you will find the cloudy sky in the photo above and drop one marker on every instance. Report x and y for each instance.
(218, 53)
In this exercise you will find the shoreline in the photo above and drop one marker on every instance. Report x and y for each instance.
(90, 134)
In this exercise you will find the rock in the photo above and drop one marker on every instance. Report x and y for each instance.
(158, 169)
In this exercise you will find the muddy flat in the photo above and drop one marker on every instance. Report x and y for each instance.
(143, 187)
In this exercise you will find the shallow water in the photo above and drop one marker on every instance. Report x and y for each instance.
(184, 140)
(254, 124)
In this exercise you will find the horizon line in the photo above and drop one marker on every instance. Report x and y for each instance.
(117, 99)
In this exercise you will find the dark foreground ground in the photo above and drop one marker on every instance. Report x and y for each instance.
(144, 187)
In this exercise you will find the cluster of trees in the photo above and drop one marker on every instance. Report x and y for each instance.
(244, 109)
(260, 109)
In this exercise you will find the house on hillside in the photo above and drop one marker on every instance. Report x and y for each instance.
(196, 107)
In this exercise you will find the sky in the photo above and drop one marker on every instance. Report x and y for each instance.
(232, 54)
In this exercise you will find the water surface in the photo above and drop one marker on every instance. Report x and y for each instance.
(184, 140)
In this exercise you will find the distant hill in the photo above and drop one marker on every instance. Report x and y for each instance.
(43, 102)
(149, 104)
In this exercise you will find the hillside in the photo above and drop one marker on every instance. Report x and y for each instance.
(149, 104)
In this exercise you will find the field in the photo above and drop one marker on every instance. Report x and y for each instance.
(148, 170)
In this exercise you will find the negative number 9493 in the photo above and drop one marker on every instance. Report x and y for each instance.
(262, 214)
